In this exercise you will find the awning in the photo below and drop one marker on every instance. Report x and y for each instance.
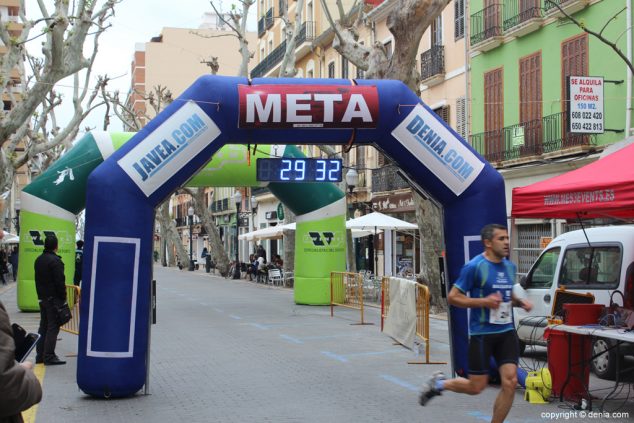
(604, 188)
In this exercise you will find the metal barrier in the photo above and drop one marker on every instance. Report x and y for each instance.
(73, 297)
(346, 290)
(422, 315)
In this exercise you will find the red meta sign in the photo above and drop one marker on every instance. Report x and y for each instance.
(308, 106)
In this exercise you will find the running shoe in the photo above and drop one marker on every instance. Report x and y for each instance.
(429, 388)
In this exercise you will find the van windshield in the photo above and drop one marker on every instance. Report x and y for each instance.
(542, 274)
(596, 266)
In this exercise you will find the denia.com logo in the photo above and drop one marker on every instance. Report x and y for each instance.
(167, 149)
(429, 139)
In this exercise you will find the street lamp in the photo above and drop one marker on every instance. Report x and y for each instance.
(190, 215)
(352, 179)
(237, 198)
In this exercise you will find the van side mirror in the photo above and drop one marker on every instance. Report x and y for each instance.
(523, 282)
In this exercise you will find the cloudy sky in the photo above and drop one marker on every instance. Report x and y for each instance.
(134, 21)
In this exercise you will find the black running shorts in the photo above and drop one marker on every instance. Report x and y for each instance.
(504, 347)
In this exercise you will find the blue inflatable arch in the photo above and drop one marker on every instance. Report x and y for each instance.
(124, 191)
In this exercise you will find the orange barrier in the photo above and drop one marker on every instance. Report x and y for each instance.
(346, 290)
(73, 297)
(422, 315)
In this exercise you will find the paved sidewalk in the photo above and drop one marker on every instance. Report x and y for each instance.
(236, 351)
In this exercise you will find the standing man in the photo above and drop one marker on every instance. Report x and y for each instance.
(79, 262)
(488, 279)
(51, 291)
(13, 259)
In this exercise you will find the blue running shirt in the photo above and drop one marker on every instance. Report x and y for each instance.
(480, 278)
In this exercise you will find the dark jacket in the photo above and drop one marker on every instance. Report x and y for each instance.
(19, 388)
(49, 276)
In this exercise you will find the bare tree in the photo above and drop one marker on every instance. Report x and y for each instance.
(64, 36)
(407, 22)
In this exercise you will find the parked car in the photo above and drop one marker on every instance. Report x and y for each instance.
(599, 261)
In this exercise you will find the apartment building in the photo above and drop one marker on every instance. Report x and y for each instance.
(9, 15)
(173, 60)
(521, 54)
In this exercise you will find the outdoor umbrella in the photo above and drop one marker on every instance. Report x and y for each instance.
(10, 238)
(375, 221)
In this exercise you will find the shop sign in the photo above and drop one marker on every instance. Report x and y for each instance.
(394, 203)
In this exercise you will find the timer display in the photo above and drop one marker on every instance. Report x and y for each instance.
(298, 170)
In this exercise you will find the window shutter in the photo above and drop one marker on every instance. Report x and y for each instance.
(461, 117)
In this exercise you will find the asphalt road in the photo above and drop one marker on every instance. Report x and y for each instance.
(236, 351)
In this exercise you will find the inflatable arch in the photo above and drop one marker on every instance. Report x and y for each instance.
(214, 111)
(51, 202)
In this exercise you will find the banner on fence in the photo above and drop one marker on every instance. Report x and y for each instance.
(400, 322)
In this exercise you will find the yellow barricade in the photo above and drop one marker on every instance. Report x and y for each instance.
(73, 297)
(422, 314)
(346, 290)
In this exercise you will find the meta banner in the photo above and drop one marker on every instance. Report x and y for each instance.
(169, 148)
(443, 153)
(308, 106)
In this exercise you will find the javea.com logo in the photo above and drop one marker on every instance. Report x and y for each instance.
(442, 152)
(169, 148)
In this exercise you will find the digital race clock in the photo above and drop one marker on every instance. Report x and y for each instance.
(298, 170)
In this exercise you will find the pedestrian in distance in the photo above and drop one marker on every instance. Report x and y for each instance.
(13, 259)
(488, 279)
(19, 388)
(50, 285)
(4, 269)
(79, 262)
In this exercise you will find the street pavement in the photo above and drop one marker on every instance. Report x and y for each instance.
(236, 351)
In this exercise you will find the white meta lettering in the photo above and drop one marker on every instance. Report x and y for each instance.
(292, 107)
(328, 100)
(273, 104)
(357, 108)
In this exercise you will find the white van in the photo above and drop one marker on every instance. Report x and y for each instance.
(599, 261)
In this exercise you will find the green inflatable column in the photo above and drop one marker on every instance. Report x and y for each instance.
(320, 234)
(50, 204)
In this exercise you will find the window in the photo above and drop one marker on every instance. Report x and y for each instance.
(461, 117)
(574, 61)
(331, 70)
(458, 8)
(542, 274)
(531, 102)
(443, 113)
(494, 111)
(344, 67)
(436, 31)
(591, 267)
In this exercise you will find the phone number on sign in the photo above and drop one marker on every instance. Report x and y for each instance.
(582, 414)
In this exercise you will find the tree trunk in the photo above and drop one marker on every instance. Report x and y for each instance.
(168, 230)
(216, 247)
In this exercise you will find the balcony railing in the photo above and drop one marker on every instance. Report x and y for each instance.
(486, 23)
(432, 62)
(550, 5)
(386, 179)
(517, 12)
(306, 33)
(269, 18)
(261, 27)
(532, 138)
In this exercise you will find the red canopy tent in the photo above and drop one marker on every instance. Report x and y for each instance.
(604, 188)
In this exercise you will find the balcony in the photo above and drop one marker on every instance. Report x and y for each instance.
(569, 6)
(386, 179)
(522, 17)
(432, 66)
(533, 140)
(261, 28)
(269, 18)
(303, 43)
(486, 28)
